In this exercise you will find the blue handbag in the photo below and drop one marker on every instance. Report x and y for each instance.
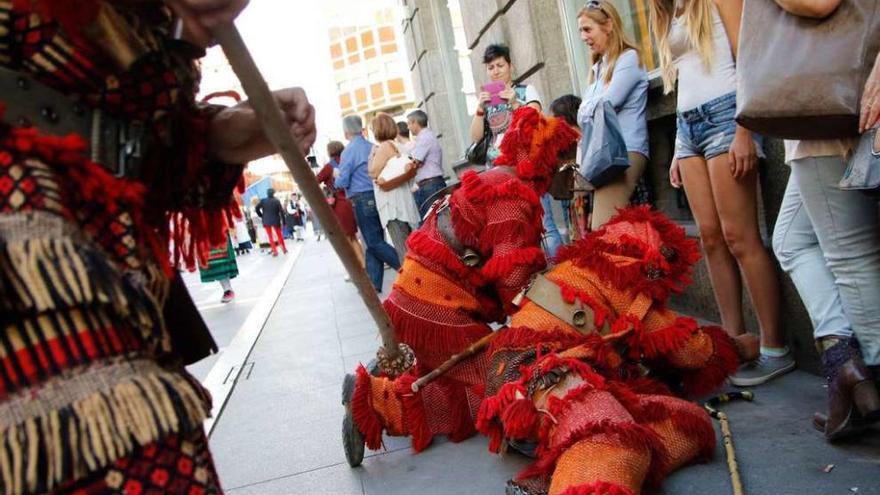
(863, 167)
(603, 150)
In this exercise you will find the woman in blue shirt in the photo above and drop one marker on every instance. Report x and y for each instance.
(617, 76)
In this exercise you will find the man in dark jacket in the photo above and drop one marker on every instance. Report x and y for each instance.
(271, 211)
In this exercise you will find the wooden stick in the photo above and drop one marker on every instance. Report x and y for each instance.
(454, 360)
(273, 122)
(732, 465)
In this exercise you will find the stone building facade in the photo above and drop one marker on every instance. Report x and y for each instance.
(547, 52)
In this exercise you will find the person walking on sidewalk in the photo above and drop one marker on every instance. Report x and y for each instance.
(296, 217)
(222, 268)
(427, 156)
(716, 162)
(393, 174)
(342, 207)
(271, 212)
(353, 177)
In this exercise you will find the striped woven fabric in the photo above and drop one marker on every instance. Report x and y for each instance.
(221, 264)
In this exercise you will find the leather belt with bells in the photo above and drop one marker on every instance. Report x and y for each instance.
(548, 297)
(114, 143)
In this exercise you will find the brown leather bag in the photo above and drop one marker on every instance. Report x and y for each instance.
(801, 78)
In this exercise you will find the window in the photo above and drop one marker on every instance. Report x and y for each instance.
(367, 38)
(395, 86)
(634, 14)
(376, 91)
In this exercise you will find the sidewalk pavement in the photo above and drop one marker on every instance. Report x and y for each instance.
(280, 430)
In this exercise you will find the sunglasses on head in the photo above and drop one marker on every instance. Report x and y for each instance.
(594, 5)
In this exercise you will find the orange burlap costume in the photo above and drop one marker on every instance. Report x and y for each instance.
(439, 304)
(599, 408)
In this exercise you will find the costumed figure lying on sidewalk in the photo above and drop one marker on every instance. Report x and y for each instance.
(476, 250)
(102, 148)
(585, 375)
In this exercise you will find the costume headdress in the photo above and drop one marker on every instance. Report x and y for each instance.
(532, 145)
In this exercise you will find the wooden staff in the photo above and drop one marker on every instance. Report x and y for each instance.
(711, 407)
(276, 129)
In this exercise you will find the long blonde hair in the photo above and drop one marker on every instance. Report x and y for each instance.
(698, 23)
(618, 42)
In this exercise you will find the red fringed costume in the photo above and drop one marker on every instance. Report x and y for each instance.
(440, 304)
(594, 397)
(93, 398)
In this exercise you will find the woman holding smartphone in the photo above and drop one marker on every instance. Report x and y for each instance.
(617, 76)
(715, 161)
(499, 98)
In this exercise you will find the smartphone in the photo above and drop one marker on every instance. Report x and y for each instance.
(494, 89)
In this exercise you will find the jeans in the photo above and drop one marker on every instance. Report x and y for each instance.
(552, 238)
(709, 129)
(426, 189)
(828, 242)
(378, 252)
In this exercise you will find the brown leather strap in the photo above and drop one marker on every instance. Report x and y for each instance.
(548, 296)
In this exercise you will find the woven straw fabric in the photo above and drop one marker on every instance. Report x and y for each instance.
(587, 462)
(694, 354)
(387, 405)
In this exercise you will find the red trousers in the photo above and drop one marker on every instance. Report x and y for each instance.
(272, 231)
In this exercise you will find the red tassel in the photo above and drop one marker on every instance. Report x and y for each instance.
(414, 413)
(520, 419)
(365, 418)
(724, 362)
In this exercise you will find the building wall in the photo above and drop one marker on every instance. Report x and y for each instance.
(543, 42)
(369, 62)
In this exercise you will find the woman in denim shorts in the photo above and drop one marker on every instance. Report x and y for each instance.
(715, 160)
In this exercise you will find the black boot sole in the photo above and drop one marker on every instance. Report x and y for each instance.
(352, 439)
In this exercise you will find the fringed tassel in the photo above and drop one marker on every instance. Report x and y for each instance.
(501, 266)
(489, 416)
(365, 418)
(55, 274)
(423, 246)
(723, 363)
(462, 420)
(597, 254)
(42, 452)
(414, 413)
(657, 343)
(597, 488)
(520, 419)
(430, 336)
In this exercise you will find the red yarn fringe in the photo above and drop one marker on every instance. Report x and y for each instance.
(500, 266)
(594, 253)
(724, 362)
(365, 417)
(414, 413)
(435, 337)
(656, 343)
(520, 419)
(597, 488)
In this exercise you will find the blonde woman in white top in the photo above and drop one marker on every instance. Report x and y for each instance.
(394, 182)
(715, 160)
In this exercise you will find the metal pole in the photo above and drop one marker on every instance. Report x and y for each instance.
(273, 122)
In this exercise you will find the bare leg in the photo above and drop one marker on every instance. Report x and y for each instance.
(737, 204)
(610, 197)
(723, 270)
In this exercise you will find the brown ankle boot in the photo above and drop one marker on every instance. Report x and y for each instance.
(853, 400)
